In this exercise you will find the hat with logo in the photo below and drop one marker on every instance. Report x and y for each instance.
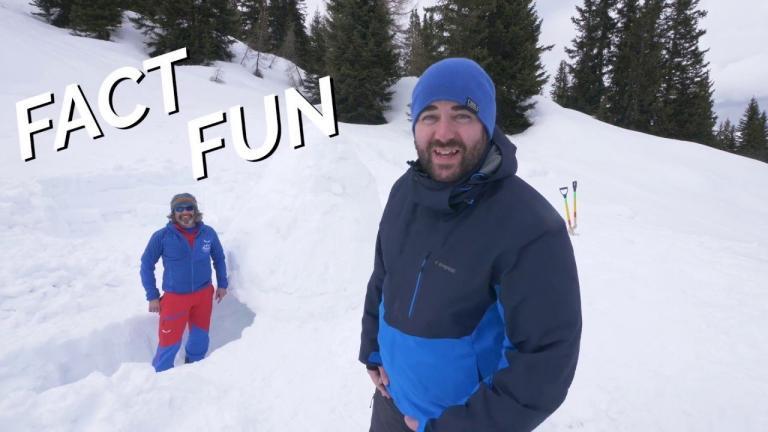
(183, 198)
(459, 80)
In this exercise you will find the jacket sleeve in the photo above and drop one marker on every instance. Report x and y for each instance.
(369, 345)
(149, 258)
(540, 302)
(219, 262)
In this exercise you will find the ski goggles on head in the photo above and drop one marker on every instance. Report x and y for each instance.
(185, 207)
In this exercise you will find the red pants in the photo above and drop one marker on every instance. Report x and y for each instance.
(175, 311)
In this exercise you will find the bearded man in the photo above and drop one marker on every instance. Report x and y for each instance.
(472, 316)
(187, 247)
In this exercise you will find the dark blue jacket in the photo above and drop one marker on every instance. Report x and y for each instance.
(185, 269)
(473, 306)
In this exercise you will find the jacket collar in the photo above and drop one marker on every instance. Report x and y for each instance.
(171, 226)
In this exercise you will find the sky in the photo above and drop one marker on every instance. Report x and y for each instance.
(736, 37)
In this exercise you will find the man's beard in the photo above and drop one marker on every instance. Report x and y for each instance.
(470, 157)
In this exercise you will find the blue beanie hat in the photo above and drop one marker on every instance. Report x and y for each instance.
(459, 80)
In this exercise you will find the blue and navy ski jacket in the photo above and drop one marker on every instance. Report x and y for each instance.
(473, 307)
(185, 269)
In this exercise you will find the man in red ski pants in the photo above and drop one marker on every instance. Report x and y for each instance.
(187, 247)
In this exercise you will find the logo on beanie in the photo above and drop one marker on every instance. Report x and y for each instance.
(472, 105)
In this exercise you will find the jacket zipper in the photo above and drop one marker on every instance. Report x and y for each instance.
(418, 285)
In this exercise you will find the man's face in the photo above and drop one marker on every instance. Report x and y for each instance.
(184, 214)
(450, 140)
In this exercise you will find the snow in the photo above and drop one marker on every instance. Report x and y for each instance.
(672, 249)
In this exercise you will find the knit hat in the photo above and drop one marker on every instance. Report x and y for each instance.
(183, 198)
(459, 80)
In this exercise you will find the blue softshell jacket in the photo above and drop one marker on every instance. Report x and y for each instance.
(185, 269)
(473, 307)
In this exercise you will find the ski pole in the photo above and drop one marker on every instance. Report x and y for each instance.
(564, 192)
(574, 205)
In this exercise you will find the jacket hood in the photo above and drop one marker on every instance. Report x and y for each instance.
(498, 163)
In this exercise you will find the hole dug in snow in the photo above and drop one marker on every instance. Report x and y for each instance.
(104, 350)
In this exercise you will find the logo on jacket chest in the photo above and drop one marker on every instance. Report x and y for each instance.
(206, 246)
(443, 266)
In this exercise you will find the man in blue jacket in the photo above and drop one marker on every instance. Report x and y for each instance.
(472, 316)
(187, 247)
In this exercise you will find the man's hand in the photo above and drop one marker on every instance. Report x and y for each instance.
(380, 380)
(220, 293)
(154, 305)
(412, 423)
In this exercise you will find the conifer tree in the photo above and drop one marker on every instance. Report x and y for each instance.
(503, 37)
(595, 26)
(255, 31)
(753, 132)
(461, 27)
(686, 91)
(420, 44)
(287, 16)
(55, 12)
(361, 58)
(141, 7)
(561, 85)
(95, 18)
(431, 40)
(726, 136)
(315, 60)
(412, 44)
(204, 28)
(250, 12)
(632, 96)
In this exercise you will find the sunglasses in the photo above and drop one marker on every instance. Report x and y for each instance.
(181, 208)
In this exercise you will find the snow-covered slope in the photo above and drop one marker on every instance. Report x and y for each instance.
(672, 253)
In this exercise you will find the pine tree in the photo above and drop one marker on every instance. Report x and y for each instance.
(461, 27)
(287, 16)
(250, 11)
(412, 44)
(686, 91)
(361, 58)
(632, 96)
(204, 28)
(595, 26)
(726, 136)
(55, 12)
(420, 44)
(561, 86)
(753, 132)
(316, 53)
(95, 18)
(431, 41)
(503, 37)
(255, 30)
(141, 7)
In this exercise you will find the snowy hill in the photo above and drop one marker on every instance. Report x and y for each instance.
(672, 253)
